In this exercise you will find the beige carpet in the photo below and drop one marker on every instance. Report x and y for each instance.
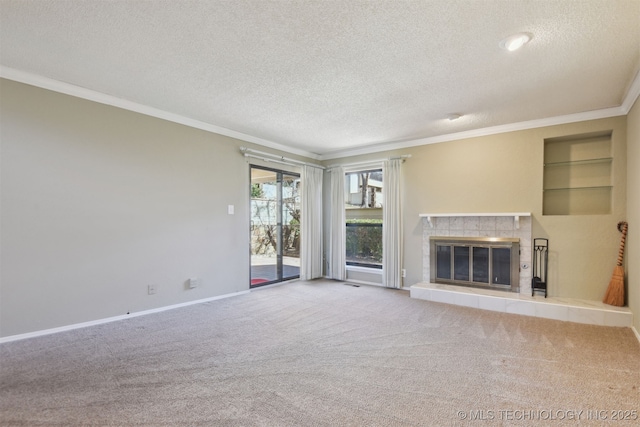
(323, 353)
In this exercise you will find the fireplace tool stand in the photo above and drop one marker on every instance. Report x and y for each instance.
(540, 258)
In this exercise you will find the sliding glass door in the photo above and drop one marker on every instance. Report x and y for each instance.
(275, 226)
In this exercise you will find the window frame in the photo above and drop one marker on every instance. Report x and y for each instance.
(353, 222)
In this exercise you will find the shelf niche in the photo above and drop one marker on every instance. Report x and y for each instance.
(577, 174)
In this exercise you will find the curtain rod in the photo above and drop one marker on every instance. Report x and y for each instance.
(366, 162)
(269, 157)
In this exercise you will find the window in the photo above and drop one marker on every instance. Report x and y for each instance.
(275, 226)
(363, 190)
(363, 204)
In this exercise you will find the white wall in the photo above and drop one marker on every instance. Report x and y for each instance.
(98, 203)
(632, 255)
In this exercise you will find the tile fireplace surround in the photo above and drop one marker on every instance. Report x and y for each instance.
(515, 225)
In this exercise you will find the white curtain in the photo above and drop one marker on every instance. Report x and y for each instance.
(392, 224)
(311, 223)
(337, 258)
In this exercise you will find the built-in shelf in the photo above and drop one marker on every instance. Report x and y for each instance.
(578, 174)
(580, 162)
(598, 187)
(516, 216)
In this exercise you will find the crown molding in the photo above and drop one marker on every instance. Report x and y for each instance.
(630, 98)
(632, 94)
(57, 86)
(102, 98)
(474, 133)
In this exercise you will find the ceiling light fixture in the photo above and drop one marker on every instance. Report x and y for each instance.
(515, 41)
(453, 116)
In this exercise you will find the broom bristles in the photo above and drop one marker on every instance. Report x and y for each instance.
(615, 291)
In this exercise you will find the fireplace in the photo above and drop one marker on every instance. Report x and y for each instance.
(487, 262)
(490, 227)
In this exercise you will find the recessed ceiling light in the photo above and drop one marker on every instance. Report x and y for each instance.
(515, 41)
(453, 116)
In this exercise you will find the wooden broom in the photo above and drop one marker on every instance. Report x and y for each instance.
(615, 291)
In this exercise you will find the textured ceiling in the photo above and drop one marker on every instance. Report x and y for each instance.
(327, 76)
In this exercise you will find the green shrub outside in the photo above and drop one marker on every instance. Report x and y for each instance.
(364, 244)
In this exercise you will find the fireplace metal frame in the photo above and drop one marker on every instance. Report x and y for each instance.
(482, 242)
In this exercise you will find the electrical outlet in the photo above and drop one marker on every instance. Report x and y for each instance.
(152, 289)
(404, 272)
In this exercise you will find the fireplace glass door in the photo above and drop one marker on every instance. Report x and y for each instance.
(492, 263)
(480, 264)
(501, 266)
(443, 261)
(461, 263)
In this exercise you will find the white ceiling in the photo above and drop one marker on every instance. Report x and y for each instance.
(330, 78)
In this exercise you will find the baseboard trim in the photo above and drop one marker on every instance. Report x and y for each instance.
(635, 331)
(113, 319)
